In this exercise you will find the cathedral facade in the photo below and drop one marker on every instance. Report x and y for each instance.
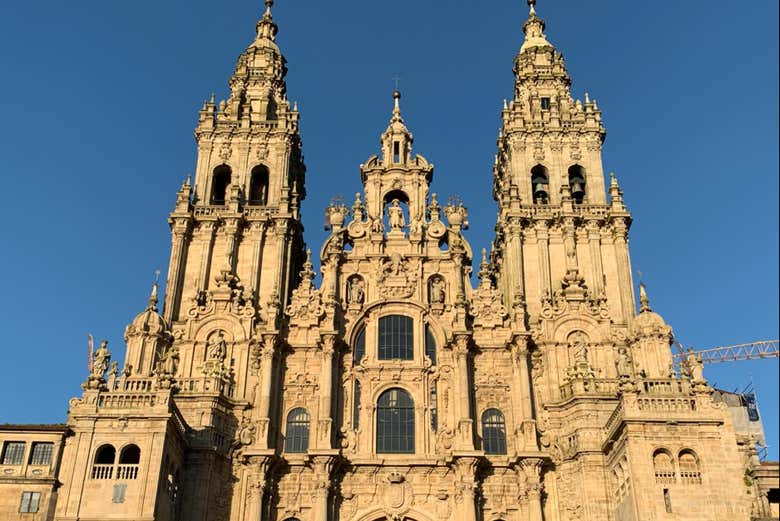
(393, 389)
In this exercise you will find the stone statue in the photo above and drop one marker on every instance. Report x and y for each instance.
(437, 291)
(694, 366)
(101, 359)
(395, 216)
(169, 361)
(623, 363)
(217, 347)
(246, 436)
(356, 293)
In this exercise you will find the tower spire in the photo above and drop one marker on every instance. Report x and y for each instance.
(532, 7)
(266, 28)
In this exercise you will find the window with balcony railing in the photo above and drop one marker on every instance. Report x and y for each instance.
(663, 465)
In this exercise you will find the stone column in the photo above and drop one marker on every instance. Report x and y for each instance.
(522, 381)
(257, 257)
(207, 231)
(180, 231)
(542, 238)
(594, 243)
(624, 269)
(465, 488)
(461, 349)
(322, 466)
(327, 344)
(530, 472)
(265, 376)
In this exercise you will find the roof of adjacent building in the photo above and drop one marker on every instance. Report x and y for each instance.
(47, 427)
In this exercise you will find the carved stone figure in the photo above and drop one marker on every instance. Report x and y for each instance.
(216, 349)
(356, 293)
(395, 216)
(169, 361)
(101, 359)
(623, 363)
(437, 290)
(694, 366)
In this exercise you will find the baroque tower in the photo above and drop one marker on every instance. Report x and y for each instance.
(396, 389)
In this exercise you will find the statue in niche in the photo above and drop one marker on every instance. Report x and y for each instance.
(216, 348)
(101, 359)
(623, 363)
(437, 291)
(579, 347)
(395, 215)
(355, 292)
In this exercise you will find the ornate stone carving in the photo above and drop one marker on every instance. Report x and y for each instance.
(396, 278)
(306, 307)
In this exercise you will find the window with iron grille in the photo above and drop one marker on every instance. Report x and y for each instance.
(395, 423)
(30, 502)
(396, 338)
(359, 349)
(41, 453)
(493, 432)
(13, 453)
(297, 434)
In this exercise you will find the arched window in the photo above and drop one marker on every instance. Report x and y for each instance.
(297, 434)
(359, 348)
(258, 186)
(493, 432)
(577, 183)
(103, 467)
(663, 465)
(396, 338)
(395, 423)
(219, 184)
(129, 459)
(540, 184)
(130, 455)
(689, 467)
(430, 345)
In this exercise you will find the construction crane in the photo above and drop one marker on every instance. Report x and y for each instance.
(750, 351)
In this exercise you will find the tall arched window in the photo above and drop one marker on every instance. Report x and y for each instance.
(577, 183)
(103, 467)
(396, 338)
(297, 434)
(689, 467)
(663, 465)
(258, 186)
(540, 184)
(359, 347)
(219, 184)
(356, 405)
(395, 423)
(430, 345)
(493, 432)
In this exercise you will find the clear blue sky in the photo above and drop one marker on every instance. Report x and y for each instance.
(100, 101)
